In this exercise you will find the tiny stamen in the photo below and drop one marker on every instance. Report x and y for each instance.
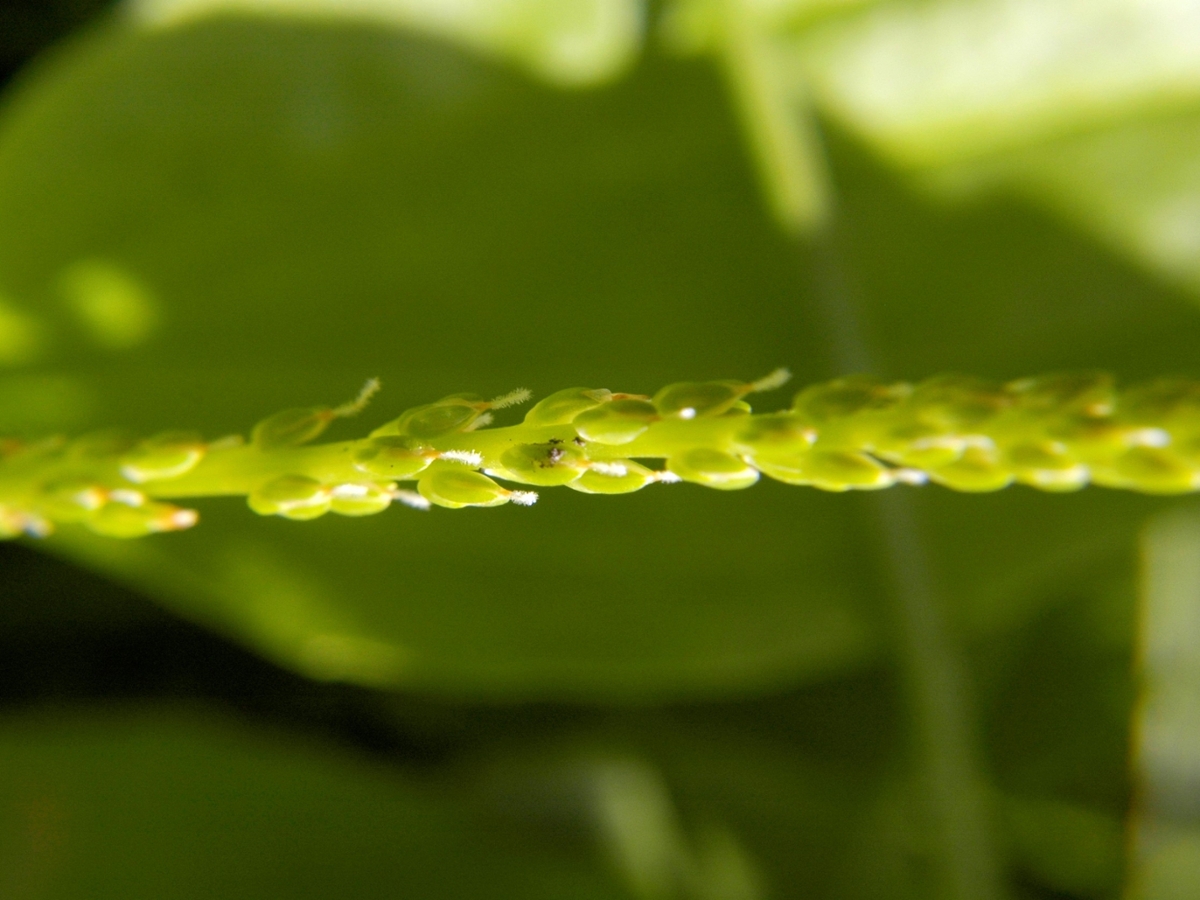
(471, 458)
(359, 403)
(512, 398)
(776, 379)
(411, 499)
(523, 498)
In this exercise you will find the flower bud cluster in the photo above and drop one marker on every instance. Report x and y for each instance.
(1055, 432)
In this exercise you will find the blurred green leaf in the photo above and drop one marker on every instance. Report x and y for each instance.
(568, 42)
(161, 802)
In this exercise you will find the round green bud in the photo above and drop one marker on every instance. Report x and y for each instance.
(622, 476)
(548, 464)
(291, 427)
(1047, 465)
(978, 470)
(779, 433)
(1152, 470)
(1162, 401)
(455, 487)
(291, 496)
(164, 456)
(957, 404)
(844, 397)
(120, 520)
(1064, 393)
(713, 468)
(850, 412)
(72, 501)
(688, 399)
(448, 416)
(392, 456)
(829, 470)
(562, 407)
(617, 422)
(354, 499)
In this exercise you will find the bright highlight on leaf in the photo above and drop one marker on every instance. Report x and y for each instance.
(1055, 432)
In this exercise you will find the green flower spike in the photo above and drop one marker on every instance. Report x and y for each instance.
(1055, 432)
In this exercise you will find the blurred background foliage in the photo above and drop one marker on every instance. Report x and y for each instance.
(213, 209)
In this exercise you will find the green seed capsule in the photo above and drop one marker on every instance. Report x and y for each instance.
(546, 464)
(291, 496)
(448, 416)
(957, 404)
(978, 470)
(1065, 393)
(829, 470)
(455, 487)
(850, 412)
(291, 427)
(392, 457)
(164, 456)
(622, 476)
(1152, 470)
(689, 399)
(617, 422)
(1046, 465)
(72, 501)
(780, 434)
(562, 407)
(120, 520)
(359, 499)
(713, 468)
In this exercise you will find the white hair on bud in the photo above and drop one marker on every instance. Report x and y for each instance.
(667, 477)
(359, 403)
(616, 470)
(127, 497)
(350, 490)
(523, 498)
(471, 458)
(480, 422)
(776, 379)
(411, 499)
(512, 398)
(910, 476)
(1150, 437)
(179, 520)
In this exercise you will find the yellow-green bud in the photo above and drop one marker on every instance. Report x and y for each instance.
(291, 427)
(688, 399)
(121, 520)
(392, 456)
(455, 487)
(562, 407)
(291, 496)
(449, 415)
(1046, 465)
(354, 499)
(546, 464)
(617, 422)
(1152, 470)
(713, 468)
(164, 456)
(978, 470)
(621, 476)
(830, 470)
(72, 501)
